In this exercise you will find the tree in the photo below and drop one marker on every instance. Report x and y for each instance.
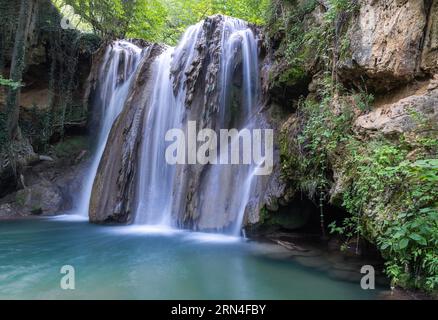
(115, 19)
(158, 20)
(17, 68)
(183, 13)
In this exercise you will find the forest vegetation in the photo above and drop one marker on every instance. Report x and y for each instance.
(387, 184)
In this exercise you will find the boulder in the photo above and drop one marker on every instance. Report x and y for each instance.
(47, 188)
(44, 198)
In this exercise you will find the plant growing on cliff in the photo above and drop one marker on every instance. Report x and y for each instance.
(410, 240)
(387, 185)
(322, 134)
(394, 201)
(9, 83)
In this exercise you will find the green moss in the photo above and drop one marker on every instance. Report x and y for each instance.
(388, 185)
(20, 197)
(263, 215)
(292, 76)
(70, 147)
(288, 19)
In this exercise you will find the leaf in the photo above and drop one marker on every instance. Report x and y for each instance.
(403, 243)
(416, 237)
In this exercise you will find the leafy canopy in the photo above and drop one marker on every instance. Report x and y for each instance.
(155, 20)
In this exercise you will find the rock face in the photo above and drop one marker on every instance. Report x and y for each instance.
(113, 195)
(429, 61)
(48, 188)
(215, 86)
(387, 49)
(401, 116)
(41, 96)
(385, 42)
(24, 155)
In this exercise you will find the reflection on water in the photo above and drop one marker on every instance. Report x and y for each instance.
(151, 263)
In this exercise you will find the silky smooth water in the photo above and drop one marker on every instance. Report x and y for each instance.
(146, 263)
(224, 190)
(115, 78)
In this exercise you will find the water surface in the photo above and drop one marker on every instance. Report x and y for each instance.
(150, 263)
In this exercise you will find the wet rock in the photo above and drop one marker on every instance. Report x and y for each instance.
(43, 198)
(113, 194)
(47, 189)
(210, 110)
(7, 210)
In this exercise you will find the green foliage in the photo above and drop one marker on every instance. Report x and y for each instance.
(20, 198)
(410, 245)
(263, 215)
(286, 19)
(304, 40)
(158, 20)
(389, 187)
(37, 127)
(410, 240)
(9, 83)
(338, 7)
(363, 100)
(70, 147)
(321, 136)
(393, 200)
(4, 135)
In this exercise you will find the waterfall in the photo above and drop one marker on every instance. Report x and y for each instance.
(165, 112)
(227, 189)
(211, 78)
(156, 176)
(120, 62)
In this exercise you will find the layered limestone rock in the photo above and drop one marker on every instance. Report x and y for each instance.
(214, 82)
(429, 59)
(215, 99)
(402, 116)
(387, 49)
(385, 40)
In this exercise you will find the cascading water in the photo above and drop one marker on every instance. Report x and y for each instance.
(211, 79)
(166, 111)
(156, 176)
(115, 76)
(226, 188)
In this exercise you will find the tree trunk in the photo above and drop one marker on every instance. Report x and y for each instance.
(17, 67)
